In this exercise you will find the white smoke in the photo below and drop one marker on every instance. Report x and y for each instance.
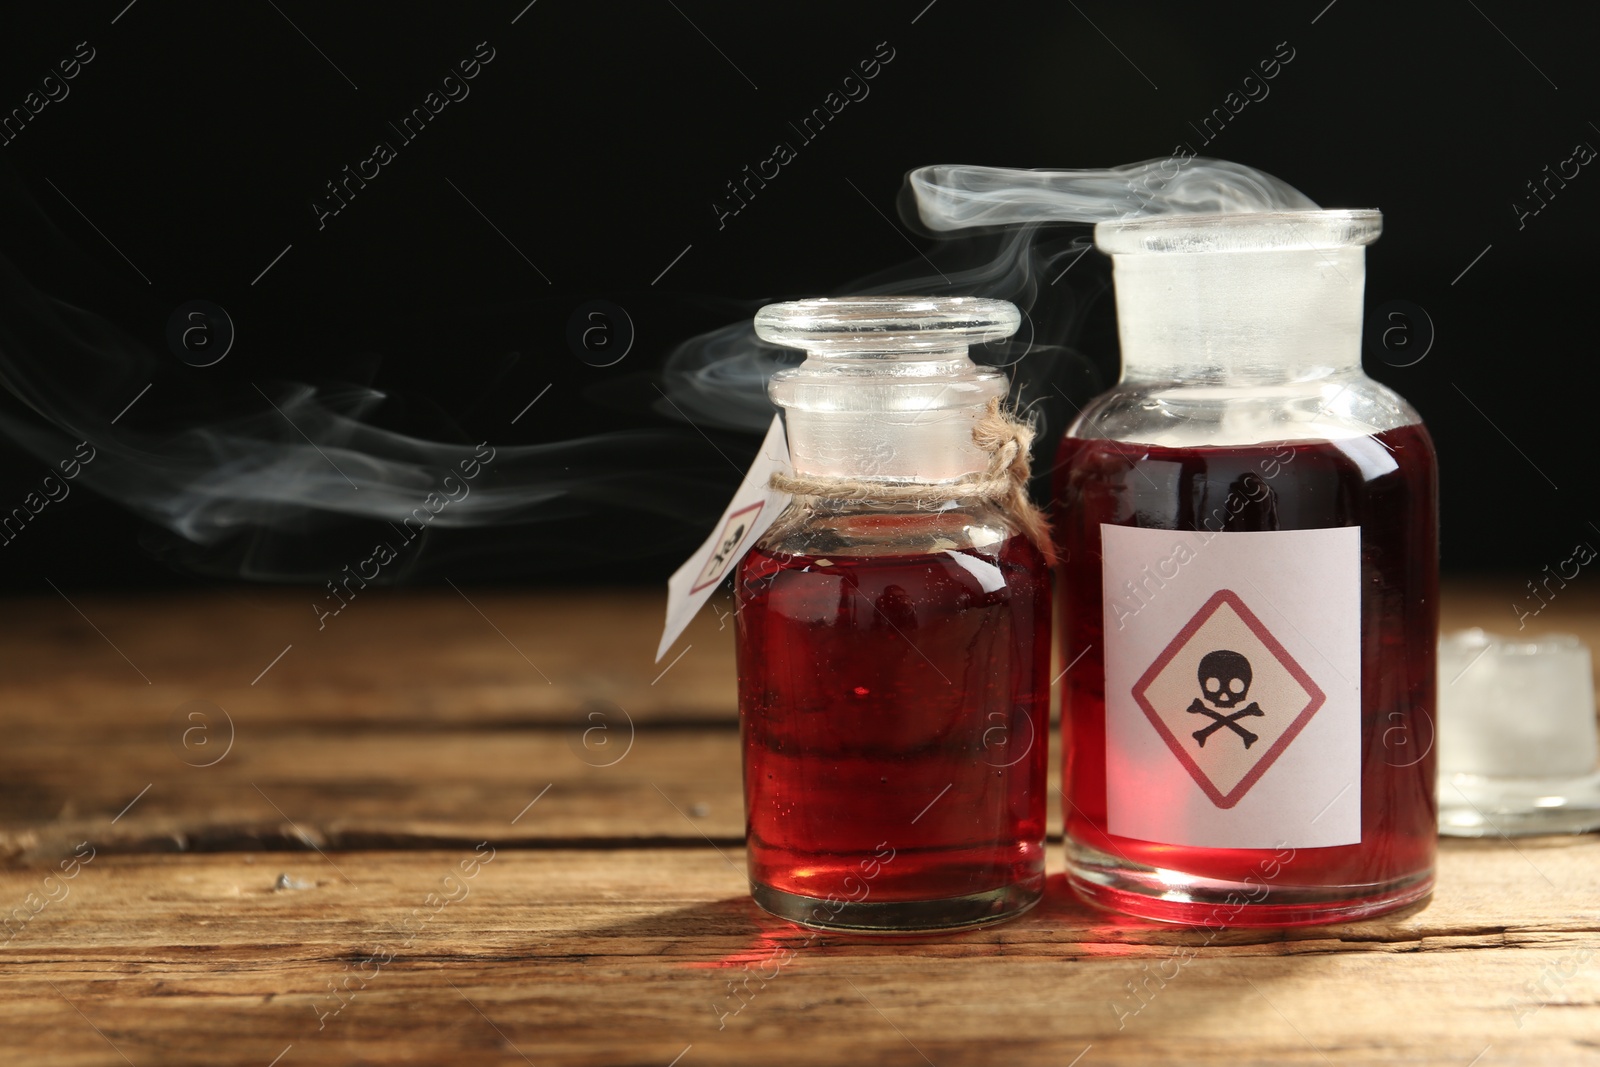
(247, 490)
(282, 480)
(952, 197)
(1013, 251)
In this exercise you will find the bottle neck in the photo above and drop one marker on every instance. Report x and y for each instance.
(888, 419)
(1248, 318)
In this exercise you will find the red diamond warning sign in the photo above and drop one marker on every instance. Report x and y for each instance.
(733, 535)
(1227, 698)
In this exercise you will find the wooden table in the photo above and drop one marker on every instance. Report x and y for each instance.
(495, 831)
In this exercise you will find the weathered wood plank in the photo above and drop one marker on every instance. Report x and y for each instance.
(357, 790)
(631, 956)
(385, 790)
(392, 660)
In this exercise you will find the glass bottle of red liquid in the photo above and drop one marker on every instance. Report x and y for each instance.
(893, 633)
(1247, 528)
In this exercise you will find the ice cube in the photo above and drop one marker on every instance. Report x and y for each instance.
(1516, 709)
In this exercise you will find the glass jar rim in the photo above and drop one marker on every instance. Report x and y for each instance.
(1250, 231)
(887, 324)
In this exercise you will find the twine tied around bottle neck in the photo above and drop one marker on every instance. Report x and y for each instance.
(1002, 435)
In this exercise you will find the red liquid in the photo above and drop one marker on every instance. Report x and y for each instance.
(1318, 486)
(891, 707)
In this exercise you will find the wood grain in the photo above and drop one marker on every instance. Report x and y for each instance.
(630, 956)
(418, 659)
(612, 926)
(368, 789)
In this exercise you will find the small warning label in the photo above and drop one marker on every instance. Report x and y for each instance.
(1233, 686)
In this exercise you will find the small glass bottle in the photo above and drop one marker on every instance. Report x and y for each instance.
(893, 637)
(1247, 528)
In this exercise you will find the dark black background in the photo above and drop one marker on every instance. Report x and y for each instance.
(600, 135)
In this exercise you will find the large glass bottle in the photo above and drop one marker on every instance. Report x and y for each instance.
(1247, 528)
(893, 637)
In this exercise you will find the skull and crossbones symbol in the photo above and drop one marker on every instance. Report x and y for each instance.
(1224, 683)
